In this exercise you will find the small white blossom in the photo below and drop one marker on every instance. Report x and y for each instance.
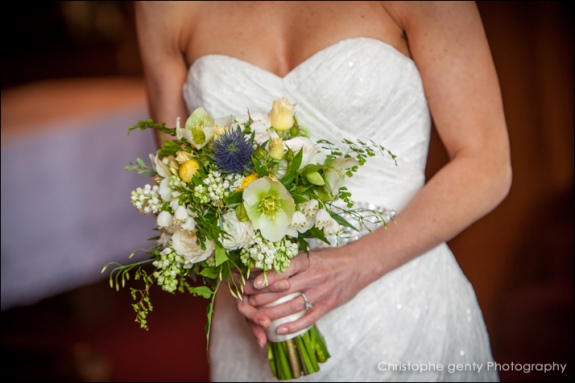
(164, 220)
(322, 219)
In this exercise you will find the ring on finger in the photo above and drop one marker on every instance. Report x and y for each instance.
(308, 304)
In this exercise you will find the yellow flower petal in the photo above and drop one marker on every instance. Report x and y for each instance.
(188, 170)
(249, 179)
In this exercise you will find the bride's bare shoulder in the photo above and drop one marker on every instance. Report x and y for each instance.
(169, 13)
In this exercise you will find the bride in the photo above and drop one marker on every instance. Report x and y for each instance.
(394, 304)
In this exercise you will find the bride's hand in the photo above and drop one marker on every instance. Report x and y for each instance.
(328, 277)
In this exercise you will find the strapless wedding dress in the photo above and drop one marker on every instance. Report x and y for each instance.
(419, 322)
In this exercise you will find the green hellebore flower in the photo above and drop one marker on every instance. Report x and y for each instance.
(269, 207)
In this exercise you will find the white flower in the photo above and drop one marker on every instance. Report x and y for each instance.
(164, 220)
(160, 167)
(165, 236)
(311, 153)
(165, 190)
(334, 175)
(237, 234)
(322, 219)
(185, 244)
(269, 207)
(300, 223)
(180, 215)
(260, 126)
(310, 208)
(332, 228)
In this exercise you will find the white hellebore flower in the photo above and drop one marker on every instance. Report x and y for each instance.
(200, 127)
(237, 234)
(260, 126)
(334, 175)
(312, 154)
(269, 207)
(185, 244)
(161, 168)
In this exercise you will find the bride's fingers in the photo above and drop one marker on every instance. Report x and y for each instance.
(259, 333)
(279, 286)
(296, 305)
(265, 298)
(252, 313)
(308, 320)
(298, 264)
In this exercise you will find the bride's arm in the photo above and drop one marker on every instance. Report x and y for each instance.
(159, 36)
(448, 44)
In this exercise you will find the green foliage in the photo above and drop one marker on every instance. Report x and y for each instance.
(305, 184)
(150, 124)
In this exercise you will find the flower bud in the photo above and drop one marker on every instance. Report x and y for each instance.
(281, 115)
(276, 148)
(315, 179)
(183, 156)
(241, 213)
(188, 170)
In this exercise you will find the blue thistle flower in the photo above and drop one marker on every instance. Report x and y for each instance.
(232, 152)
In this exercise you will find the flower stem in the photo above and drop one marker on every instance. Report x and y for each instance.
(293, 360)
(308, 368)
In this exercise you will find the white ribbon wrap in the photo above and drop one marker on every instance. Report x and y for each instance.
(271, 331)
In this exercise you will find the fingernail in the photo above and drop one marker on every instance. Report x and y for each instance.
(282, 330)
(258, 284)
(283, 285)
(261, 343)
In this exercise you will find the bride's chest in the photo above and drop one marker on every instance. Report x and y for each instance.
(279, 36)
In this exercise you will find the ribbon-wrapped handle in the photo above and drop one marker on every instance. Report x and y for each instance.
(271, 331)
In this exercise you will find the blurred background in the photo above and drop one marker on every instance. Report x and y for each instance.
(72, 85)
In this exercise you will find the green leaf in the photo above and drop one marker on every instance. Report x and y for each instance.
(342, 221)
(221, 255)
(299, 198)
(262, 171)
(169, 148)
(293, 168)
(210, 272)
(314, 232)
(203, 291)
(235, 197)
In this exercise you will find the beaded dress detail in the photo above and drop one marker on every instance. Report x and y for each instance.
(424, 313)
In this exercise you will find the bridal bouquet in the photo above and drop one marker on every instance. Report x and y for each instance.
(244, 194)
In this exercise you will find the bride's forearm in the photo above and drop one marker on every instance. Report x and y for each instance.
(462, 192)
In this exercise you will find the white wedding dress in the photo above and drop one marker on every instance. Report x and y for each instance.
(421, 316)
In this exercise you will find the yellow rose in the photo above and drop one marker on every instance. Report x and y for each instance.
(188, 170)
(281, 115)
(276, 149)
(247, 181)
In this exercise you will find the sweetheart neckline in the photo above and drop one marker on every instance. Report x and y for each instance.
(304, 62)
